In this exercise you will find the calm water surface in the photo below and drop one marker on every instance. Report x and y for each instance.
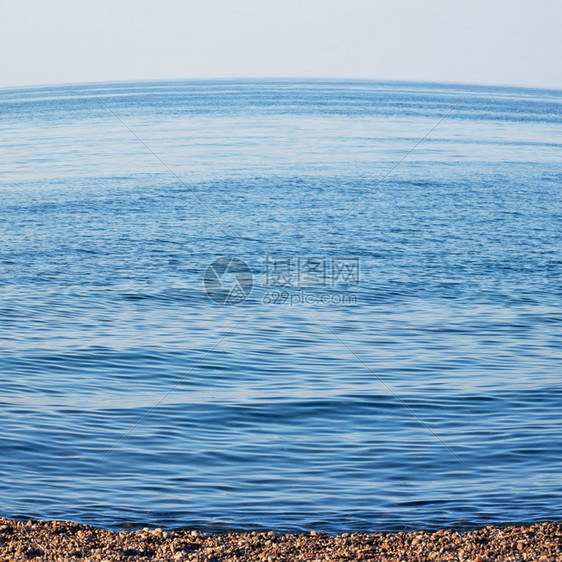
(129, 398)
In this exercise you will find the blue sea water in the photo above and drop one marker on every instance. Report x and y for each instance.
(422, 391)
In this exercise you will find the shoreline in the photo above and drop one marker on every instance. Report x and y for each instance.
(64, 540)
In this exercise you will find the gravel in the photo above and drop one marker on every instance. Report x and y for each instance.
(62, 540)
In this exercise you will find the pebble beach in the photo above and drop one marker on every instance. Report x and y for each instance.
(61, 540)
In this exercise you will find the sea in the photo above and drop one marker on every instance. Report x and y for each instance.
(281, 304)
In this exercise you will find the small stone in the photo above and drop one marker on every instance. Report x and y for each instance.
(194, 533)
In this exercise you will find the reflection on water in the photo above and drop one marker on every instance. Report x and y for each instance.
(435, 400)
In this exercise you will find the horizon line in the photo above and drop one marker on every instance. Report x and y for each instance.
(294, 79)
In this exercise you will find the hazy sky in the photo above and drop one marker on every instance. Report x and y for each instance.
(476, 41)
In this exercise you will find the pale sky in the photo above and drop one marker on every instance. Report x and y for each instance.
(512, 42)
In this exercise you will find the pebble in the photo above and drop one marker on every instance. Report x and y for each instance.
(49, 541)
